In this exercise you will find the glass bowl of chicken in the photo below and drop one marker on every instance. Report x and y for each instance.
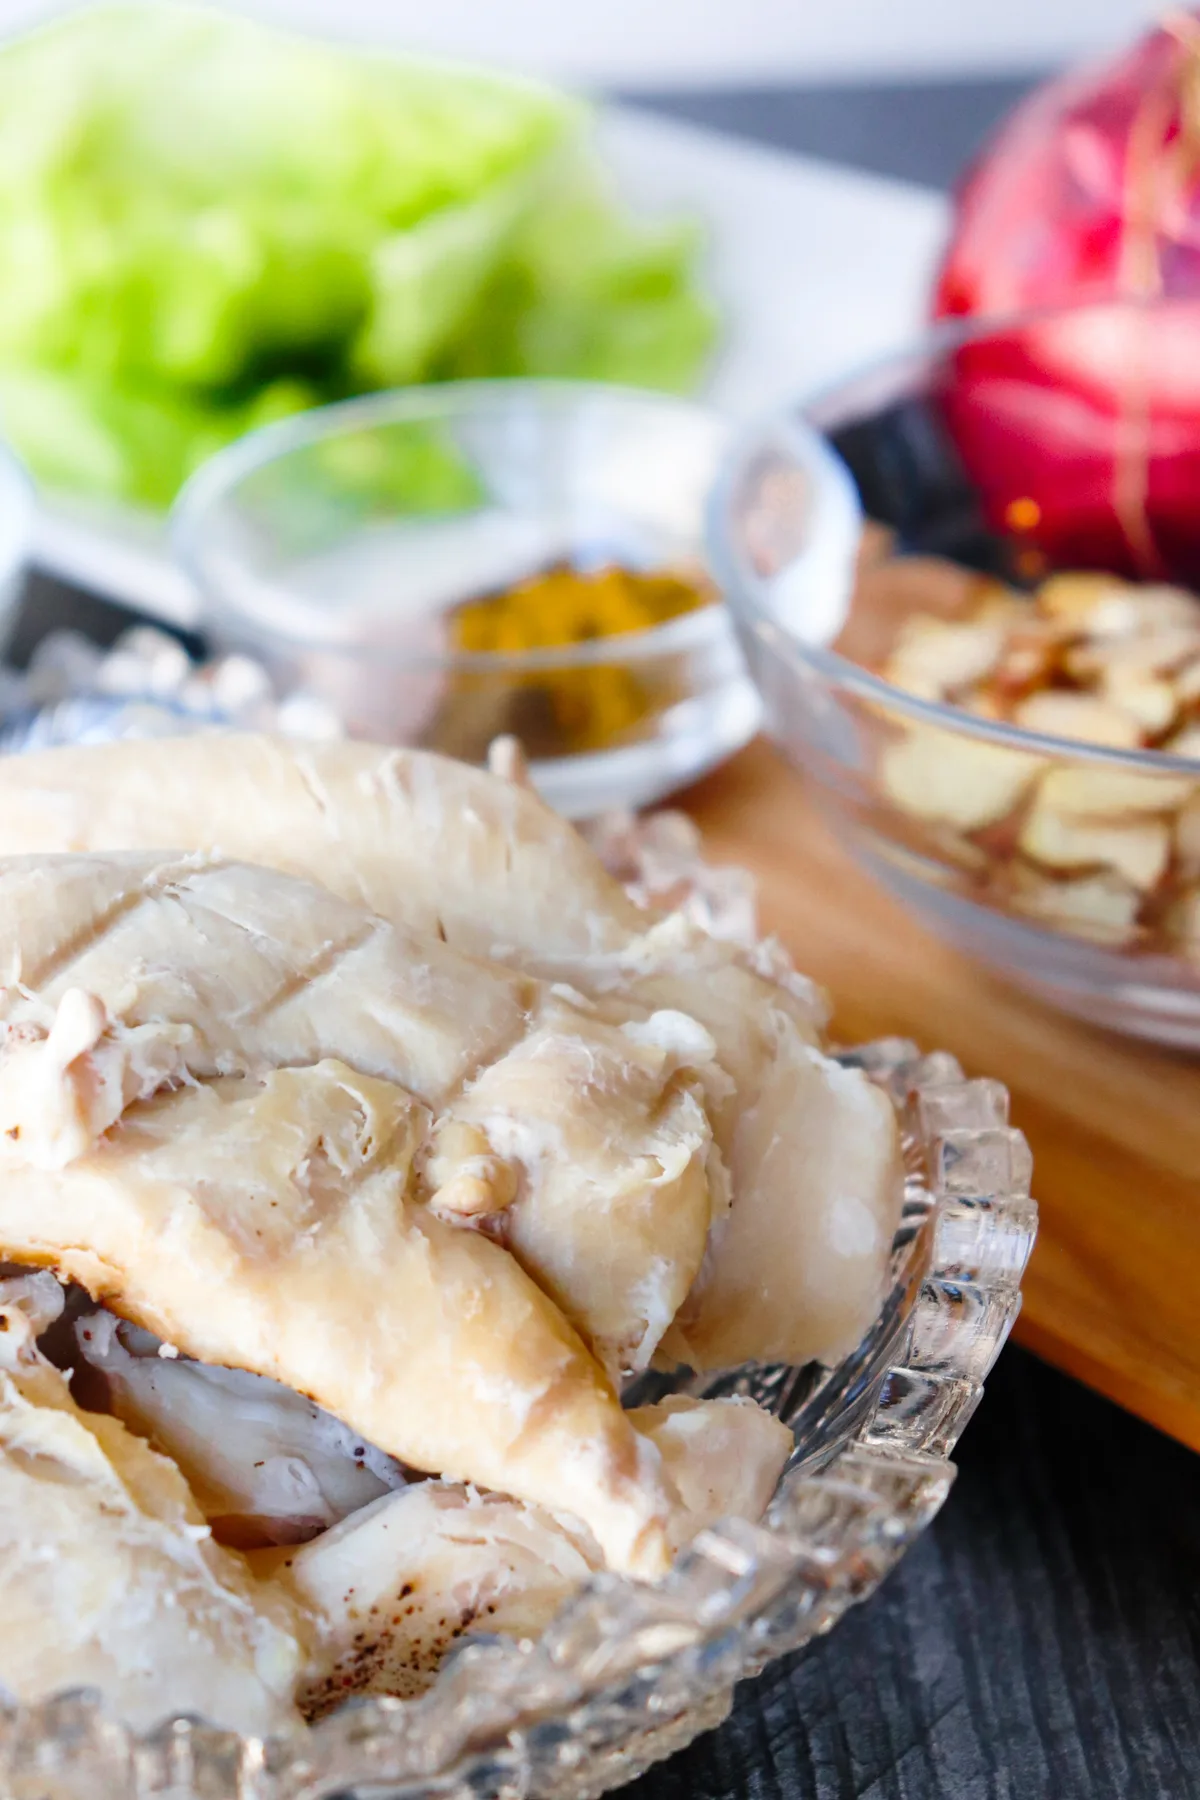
(498, 1322)
(446, 565)
(1005, 725)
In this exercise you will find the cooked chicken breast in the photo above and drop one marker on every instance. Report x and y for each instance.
(484, 864)
(480, 861)
(268, 1223)
(800, 1273)
(392, 1588)
(588, 1116)
(132, 971)
(724, 1456)
(110, 1577)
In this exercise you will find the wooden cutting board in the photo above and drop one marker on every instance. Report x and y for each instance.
(1112, 1294)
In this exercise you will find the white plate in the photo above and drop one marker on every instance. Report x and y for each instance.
(815, 268)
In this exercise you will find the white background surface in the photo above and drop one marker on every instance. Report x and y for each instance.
(815, 268)
(681, 42)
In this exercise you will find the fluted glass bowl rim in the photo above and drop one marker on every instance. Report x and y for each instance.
(747, 594)
(629, 1673)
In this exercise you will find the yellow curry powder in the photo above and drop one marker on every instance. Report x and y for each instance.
(592, 707)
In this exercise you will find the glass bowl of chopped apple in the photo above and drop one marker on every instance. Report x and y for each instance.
(444, 566)
(1005, 724)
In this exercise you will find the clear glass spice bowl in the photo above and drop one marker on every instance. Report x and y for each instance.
(340, 548)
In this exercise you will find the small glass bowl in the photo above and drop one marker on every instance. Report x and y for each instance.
(928, 796)
(627, 1673)
(332, 546)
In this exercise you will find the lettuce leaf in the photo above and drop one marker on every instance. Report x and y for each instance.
(204, 221)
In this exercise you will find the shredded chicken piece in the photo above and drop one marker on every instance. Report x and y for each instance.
(794, 1270)
(566, 1110)
(268, 1223)
(391, 1589)
(265, 1465)
(394, 1587)
(724, 1456)
(798, 1275)
(484, 864)
(62, 1085)
(110, 1577)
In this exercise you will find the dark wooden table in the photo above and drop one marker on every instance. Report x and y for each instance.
(1042, 1642)
(1039, 1643)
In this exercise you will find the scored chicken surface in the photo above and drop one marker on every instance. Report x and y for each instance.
(393, 1135)
(392, 1588)
(485, 865)
(129, 970)
(269, 1223)
(110, 1577)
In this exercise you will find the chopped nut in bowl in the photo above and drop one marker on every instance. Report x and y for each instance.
(1009, 739)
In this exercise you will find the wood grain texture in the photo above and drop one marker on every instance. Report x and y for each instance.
(1113, 1291)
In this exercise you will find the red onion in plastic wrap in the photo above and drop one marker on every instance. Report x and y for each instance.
(1082, 430)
